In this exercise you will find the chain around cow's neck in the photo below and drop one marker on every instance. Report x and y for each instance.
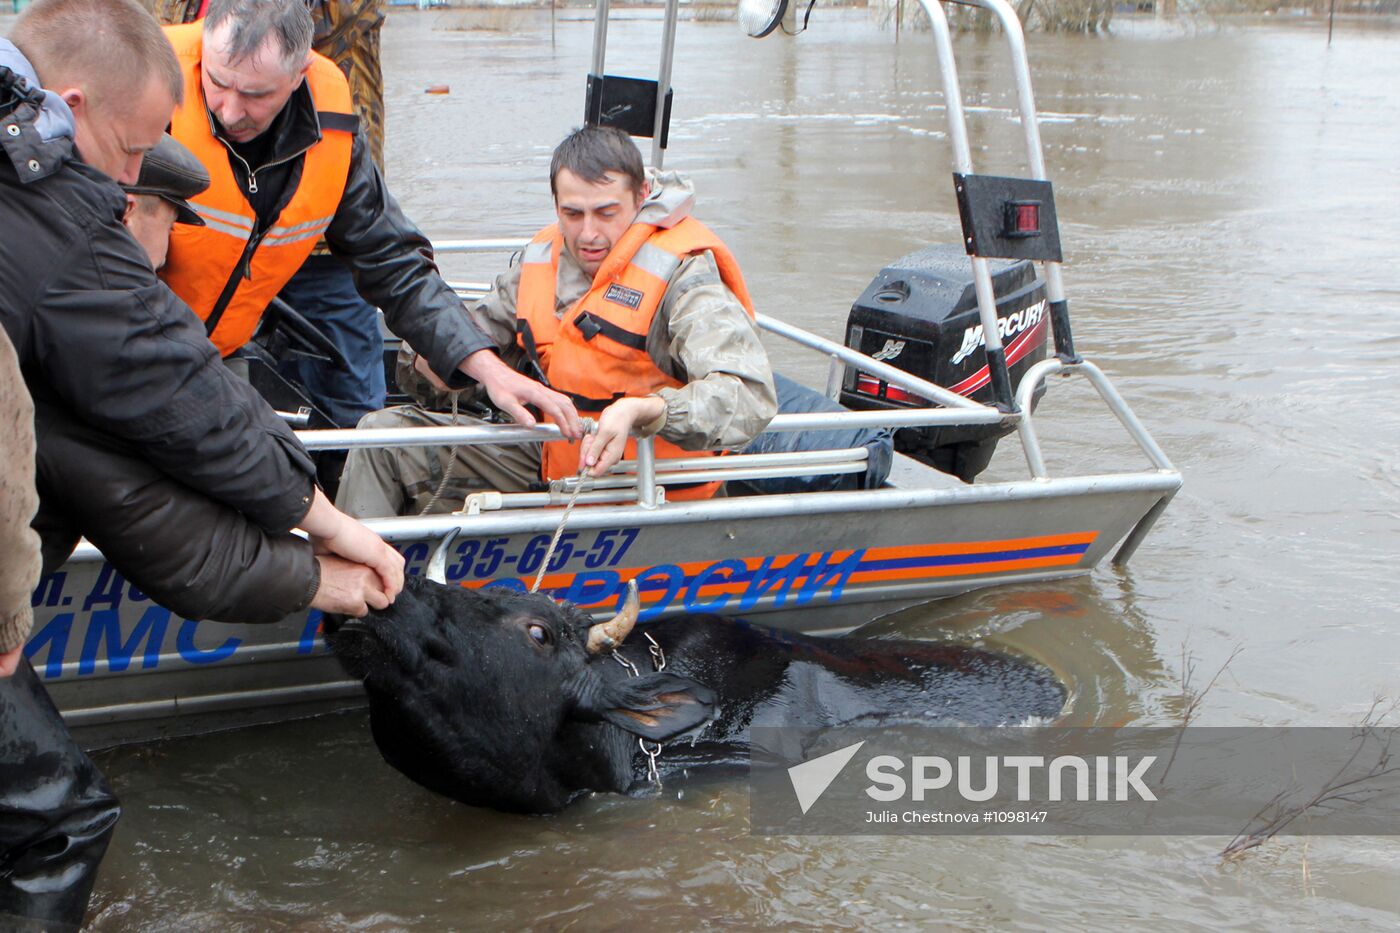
(658, 661)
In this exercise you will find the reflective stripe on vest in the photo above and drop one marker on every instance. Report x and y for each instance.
(596, 352)
(207, 264)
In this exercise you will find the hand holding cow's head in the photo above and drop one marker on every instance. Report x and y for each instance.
(503, 699)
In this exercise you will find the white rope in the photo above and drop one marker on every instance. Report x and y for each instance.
(563, 520)
(589, 427)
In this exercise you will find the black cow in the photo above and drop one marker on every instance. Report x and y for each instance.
(513, 701)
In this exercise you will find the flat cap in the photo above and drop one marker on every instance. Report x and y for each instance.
(171, 171)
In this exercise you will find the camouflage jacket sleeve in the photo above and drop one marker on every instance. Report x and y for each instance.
(702, 336)
(18, 543)
(173, 12)
(494, 315)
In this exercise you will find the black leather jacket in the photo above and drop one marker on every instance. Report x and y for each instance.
(391, 259)
(195, 556)
(102, 341)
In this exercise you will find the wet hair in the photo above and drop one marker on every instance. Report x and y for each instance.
(109, 48)
(590, 152)
(252, 21)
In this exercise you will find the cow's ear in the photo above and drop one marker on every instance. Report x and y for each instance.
(655, 706)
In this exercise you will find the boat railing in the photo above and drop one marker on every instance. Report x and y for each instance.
(957, 410)
(642, 481)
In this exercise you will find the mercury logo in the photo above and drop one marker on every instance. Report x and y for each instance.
(1007, 327)
(889, 351)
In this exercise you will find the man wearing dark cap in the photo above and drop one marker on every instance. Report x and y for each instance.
(181, 548)
(157, 202)
(184, 478)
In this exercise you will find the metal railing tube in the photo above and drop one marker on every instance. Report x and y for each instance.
(1025, 394)
(614, 496)
(962, 163)
(646, 472)
(1107, 392)
(891, 374)
(796, 458)
(600, 37)
(1123, 413)
(346, 438)
(446, 435)
(469, 288)
(1035, 157)
(663, 80)
(835, 369)
(909, 418)
(828, 505)
(719, 473)
(668, 478)
(502, 245)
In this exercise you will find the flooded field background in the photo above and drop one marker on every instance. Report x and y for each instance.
(1229, 207)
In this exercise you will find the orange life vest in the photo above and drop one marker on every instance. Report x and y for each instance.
(228, 270)
(596, 353)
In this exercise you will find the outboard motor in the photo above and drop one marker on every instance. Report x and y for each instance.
(920, 315)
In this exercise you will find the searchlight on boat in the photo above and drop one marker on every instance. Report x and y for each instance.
(760, 17)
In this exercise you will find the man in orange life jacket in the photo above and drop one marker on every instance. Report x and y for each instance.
(273, 123)
(629, 306)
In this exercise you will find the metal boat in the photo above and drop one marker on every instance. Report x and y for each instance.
(123, 669)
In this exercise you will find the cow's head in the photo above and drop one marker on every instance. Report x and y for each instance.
(506, 699)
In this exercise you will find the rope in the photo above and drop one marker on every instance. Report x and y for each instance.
(589, 428)
(451, 462)
(563, 520)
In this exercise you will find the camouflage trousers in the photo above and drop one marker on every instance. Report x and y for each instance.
(388, 481)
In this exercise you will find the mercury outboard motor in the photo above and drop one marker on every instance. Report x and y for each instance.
(920, 315)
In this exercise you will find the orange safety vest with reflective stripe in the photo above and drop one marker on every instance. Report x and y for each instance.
(228, 270)
(596, 353)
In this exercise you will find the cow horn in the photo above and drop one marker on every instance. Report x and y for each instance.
(604, 636)
(437, 564)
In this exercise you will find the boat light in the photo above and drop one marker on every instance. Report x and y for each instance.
(1022, 219)
(760, 17)
(869, 385)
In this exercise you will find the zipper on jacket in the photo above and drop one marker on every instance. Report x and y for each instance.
(253, 173)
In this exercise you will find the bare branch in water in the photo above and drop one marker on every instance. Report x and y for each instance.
(1343, 788)
(1191, 698)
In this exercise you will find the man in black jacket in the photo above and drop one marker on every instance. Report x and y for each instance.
(98, 336)
(218, 564)
(103, 343)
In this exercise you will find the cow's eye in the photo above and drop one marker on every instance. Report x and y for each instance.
(541, 635)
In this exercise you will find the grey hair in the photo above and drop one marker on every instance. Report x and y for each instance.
(252, 21)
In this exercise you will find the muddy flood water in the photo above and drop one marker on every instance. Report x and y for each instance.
(1229, 202)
